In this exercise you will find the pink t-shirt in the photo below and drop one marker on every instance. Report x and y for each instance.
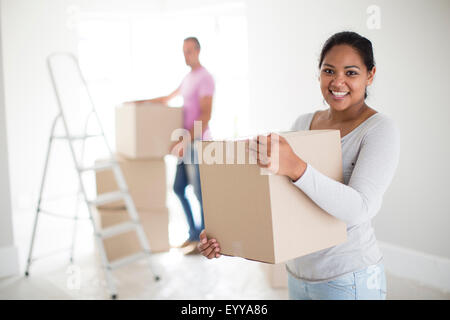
(197, 84)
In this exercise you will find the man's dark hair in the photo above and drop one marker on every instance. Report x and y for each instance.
(196, 42)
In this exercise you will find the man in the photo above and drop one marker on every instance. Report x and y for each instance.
(197, 89)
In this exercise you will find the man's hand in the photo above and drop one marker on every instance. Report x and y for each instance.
(161, 100)
(177, 149)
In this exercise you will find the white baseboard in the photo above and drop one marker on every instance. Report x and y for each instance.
(9, 261)
(427, 269)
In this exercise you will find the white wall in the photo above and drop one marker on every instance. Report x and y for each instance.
(411, 52)
(31, 30)
(8, 252)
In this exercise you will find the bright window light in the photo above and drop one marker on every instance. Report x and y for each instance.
(139, 56)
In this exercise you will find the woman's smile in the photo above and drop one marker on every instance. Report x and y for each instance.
(339, 95)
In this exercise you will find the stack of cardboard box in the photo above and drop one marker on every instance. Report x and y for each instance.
(143, 138)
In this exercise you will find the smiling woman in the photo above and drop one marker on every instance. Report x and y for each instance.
(370, 150)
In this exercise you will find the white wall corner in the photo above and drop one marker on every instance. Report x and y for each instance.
(9, 265)
(429, 270)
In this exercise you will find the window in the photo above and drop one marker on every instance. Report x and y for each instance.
(139, 56)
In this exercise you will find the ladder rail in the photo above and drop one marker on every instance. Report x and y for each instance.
(41, 189)
(88, 92)
(99, 241)
(77, 201)
(99, 234)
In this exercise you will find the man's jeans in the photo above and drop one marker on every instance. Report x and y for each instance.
(188, 173)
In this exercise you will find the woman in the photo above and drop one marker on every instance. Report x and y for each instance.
(370, 150)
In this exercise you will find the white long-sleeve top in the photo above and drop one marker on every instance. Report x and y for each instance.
(370, 155)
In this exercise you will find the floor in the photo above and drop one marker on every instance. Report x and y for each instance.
(182, 277)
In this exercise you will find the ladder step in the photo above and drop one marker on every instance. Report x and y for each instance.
(126, 260)
(107, 198)
(98, 167)
(117, 229)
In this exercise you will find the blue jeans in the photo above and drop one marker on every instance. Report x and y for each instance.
(366, 284)
(189, 174)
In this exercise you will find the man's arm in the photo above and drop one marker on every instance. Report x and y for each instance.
(205, 114)
(163, 100)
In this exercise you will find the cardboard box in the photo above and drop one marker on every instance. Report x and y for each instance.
(144, 130)
(146, 180)
(155, 223)
(276, 274)
(266, 217)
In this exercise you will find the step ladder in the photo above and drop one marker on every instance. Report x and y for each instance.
(122, 194)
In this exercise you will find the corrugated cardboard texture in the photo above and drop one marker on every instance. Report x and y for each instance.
(293, 210)
(154, 222)
(146, 180)
(266, 217)
(144, 130)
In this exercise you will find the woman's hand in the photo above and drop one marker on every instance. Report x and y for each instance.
(209, 248)
(275, 154)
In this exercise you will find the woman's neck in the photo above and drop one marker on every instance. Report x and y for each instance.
(350, 114)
